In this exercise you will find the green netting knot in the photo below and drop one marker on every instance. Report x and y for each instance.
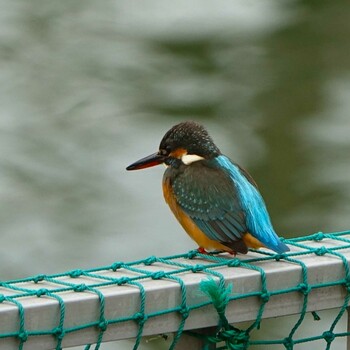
(23, 336)
(75, 273)
(321, 251)
(328, 336)
(140, 318)
(158, 275)
(2, 298)
(347, 285)
(234, 333)
(41, 292)
(265, 297)
(123, 280)
(197, 268)
(281, 256)
(39, 278)
(185, 312)
(150, 260)
(318, 236)
(288, 343)
(234, 263)
(304, 288)
(103, 325)
(59, 332)
(192, 254)
(116, 266)
(235, 339)
(80, 287)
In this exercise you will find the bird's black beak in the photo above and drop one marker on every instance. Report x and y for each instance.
(147, 162)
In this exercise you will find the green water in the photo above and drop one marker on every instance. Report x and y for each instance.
(89, 87)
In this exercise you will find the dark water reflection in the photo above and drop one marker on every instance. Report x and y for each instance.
(88, 88)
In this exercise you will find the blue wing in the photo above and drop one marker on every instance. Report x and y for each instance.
(210, 199)
(222, 199)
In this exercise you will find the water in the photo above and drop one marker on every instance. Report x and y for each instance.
(89, 87)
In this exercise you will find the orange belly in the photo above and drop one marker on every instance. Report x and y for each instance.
(251, 241)
(194, 232)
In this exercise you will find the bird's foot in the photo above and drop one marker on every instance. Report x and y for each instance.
(201, 250)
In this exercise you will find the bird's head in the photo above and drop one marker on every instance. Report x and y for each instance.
(184, 143)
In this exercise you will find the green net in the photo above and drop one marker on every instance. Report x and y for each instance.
(73, 308)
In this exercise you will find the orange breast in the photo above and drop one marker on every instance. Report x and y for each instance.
(190, 227)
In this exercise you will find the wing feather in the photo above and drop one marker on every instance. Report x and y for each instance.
(210, 198)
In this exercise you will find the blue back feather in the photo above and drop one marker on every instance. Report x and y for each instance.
(257, 218)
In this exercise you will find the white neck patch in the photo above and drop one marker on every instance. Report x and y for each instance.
(188, 159)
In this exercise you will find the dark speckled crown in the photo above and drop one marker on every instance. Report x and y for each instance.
(191, 136)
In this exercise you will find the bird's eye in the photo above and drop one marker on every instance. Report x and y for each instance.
(165, 151)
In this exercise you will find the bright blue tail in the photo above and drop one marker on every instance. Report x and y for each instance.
(257, 218)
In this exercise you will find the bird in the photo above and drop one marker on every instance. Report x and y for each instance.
(215, 200)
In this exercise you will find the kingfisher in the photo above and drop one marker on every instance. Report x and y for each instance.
(215, 200)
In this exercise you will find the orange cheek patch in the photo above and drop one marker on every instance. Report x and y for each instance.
(178, 153)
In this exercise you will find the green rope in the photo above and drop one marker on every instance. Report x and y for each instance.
(234, 338)
(213, 288)
(329, 336)
(219, 295)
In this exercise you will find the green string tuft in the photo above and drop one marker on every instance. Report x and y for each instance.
(219, 295)
(233, 338)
